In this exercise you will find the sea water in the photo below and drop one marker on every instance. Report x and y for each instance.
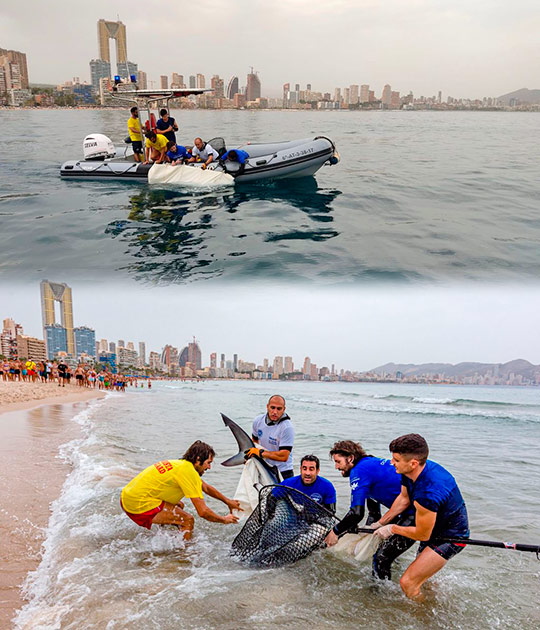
(417, 197)
(99, 570)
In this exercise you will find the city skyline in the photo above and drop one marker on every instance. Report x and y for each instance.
(368, 32)
(355, 332)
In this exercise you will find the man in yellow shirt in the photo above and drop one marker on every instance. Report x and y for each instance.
(135, 134)
(155, 495)
(156, 147)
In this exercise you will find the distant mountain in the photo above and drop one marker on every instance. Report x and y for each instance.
(460, 370)
(524, 95)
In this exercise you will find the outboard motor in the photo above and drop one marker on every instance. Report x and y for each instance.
(97, 147)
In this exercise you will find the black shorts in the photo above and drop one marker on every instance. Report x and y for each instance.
(137, 146)
(446, 550)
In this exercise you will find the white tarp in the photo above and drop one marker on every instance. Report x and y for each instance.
(361, 547)
(188, 176)
(253, 473)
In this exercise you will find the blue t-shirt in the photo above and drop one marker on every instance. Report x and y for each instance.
(161, 124)
(374, 478)
(181, 152)
(436, 490)
(242, 156)
(322, 491)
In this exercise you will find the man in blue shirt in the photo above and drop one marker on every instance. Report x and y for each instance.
(308, 481)
(177, 153)
(166, 125)
(373, 481)
(236, 155)
(440, 511)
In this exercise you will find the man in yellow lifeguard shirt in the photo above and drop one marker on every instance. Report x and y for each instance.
(156, 147)
(135, 134)
(155, 495)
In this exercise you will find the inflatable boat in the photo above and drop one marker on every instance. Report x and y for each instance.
(274, 160)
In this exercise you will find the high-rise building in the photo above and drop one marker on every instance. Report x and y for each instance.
(164, 82)
(8, 338)
(121, 343)
(307, 367)
(18, 59)
(103, 345)
(99, 69)
(346, 96)
(297, 87)
(52, 292)
(192, 81)
(85, 341)
(191, 355)
(232, 88)
(56, 339)
(386, 95)
(177, 80)
(253, 86)
(222, 362)
(130, 346)
(142, 352)
(126, 69)
(112, 30)
(112, 347)
(142, 80)
(127, 357)
(337, 95)
(278, 366)
(308, 87)
(213, 360)
(217, 85)
(289, 365)
(201, 81)
(239, 100)
(235, 362)
(286, 90)
(169, 356)
(394, 100)
(364, 93)
(154, 361)
(354, 94)
(266, 365)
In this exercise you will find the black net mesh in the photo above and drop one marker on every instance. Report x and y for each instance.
(285, 526)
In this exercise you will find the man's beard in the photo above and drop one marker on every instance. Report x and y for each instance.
(346, 473)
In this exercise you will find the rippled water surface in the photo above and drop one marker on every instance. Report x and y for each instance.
(418, 196)
(100, 570)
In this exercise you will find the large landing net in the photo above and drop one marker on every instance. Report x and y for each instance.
(285, 526)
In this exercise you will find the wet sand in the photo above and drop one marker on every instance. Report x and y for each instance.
(32, 476)
(23, 395)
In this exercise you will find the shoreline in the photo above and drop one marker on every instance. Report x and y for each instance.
(32, 433)
(19, 396)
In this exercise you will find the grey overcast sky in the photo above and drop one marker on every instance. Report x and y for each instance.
(464, 48)
(355, 329)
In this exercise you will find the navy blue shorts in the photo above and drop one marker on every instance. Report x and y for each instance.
(137, 146)
(444, 549)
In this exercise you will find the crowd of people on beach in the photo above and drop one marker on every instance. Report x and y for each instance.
(62, 374)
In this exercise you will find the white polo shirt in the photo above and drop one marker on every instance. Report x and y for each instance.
(274, 436)
(205, 153)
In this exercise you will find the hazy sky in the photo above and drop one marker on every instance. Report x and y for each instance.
(464, 48)
(355, 329)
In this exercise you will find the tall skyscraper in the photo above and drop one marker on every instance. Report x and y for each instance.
(177, 80)
(201, 81)
(222, 362)
(56, 341)
(232, 88)
(112, 347)
(18, 59)
(52, 292)
(142, 352)
(289, 365)
(112, 30)
(386, 95)
(286, 90)
(278, 365)
(364, 93)
(253, 86)
(192, 81)
(164, 82)
(213, 360)
(235, 362)
(191, 354)
(85, 341)
(99, 69)
(217, 85)
(121, 343)
(354, 94)
(142, 80)
(307, 367)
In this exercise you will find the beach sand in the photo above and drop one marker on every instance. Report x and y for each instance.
(32, 476)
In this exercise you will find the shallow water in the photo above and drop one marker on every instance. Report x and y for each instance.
(418, 196)
(100, 570)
